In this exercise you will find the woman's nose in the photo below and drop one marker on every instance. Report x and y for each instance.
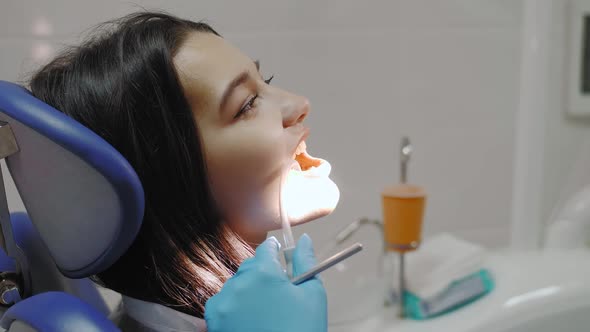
(295, 110)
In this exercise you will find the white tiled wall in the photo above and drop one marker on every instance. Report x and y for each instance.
(444, 72)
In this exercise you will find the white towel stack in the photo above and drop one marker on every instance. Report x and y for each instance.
(438, 262)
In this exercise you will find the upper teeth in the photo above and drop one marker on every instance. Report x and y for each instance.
(300, 148)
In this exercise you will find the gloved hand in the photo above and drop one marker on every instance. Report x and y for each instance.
(260, 297)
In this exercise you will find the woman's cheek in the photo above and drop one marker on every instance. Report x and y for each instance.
(235, 173)
(258, 154)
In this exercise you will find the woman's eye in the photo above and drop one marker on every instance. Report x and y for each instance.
(250, 104)
(247, 107)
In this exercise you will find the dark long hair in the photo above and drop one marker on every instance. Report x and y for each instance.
(122, 84)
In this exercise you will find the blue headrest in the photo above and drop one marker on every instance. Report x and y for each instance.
(83, 197)
(57, 311)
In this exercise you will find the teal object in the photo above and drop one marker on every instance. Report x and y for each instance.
(459, 294)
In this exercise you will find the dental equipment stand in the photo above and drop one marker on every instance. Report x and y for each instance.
(403, 208)
(405, 152)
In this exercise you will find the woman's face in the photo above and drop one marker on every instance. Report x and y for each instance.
(251, 132)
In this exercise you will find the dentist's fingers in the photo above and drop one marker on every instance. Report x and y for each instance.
(266, 255)
(248, 300)
(267, 261)
(268, 250)
(303, 256)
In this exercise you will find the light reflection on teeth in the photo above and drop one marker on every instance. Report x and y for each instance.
(302, 147)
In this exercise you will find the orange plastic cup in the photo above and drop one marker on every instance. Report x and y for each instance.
(403, 211)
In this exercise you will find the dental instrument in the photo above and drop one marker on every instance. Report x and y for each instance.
(328, 263)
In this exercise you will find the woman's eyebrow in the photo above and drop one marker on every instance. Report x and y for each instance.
(237, 81)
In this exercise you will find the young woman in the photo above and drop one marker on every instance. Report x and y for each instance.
(210, 139)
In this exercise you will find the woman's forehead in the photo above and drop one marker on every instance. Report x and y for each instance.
(206, 63)
(205, 56)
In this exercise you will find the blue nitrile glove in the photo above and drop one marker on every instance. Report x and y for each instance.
(260, 297)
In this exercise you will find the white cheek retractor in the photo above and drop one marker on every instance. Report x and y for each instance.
(289, 243)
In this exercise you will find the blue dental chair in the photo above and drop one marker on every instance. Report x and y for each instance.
(84, 206)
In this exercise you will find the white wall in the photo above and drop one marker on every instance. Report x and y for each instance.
(567, 139)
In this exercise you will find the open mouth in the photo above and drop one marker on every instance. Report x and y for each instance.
(303, 159)
(308, 165)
